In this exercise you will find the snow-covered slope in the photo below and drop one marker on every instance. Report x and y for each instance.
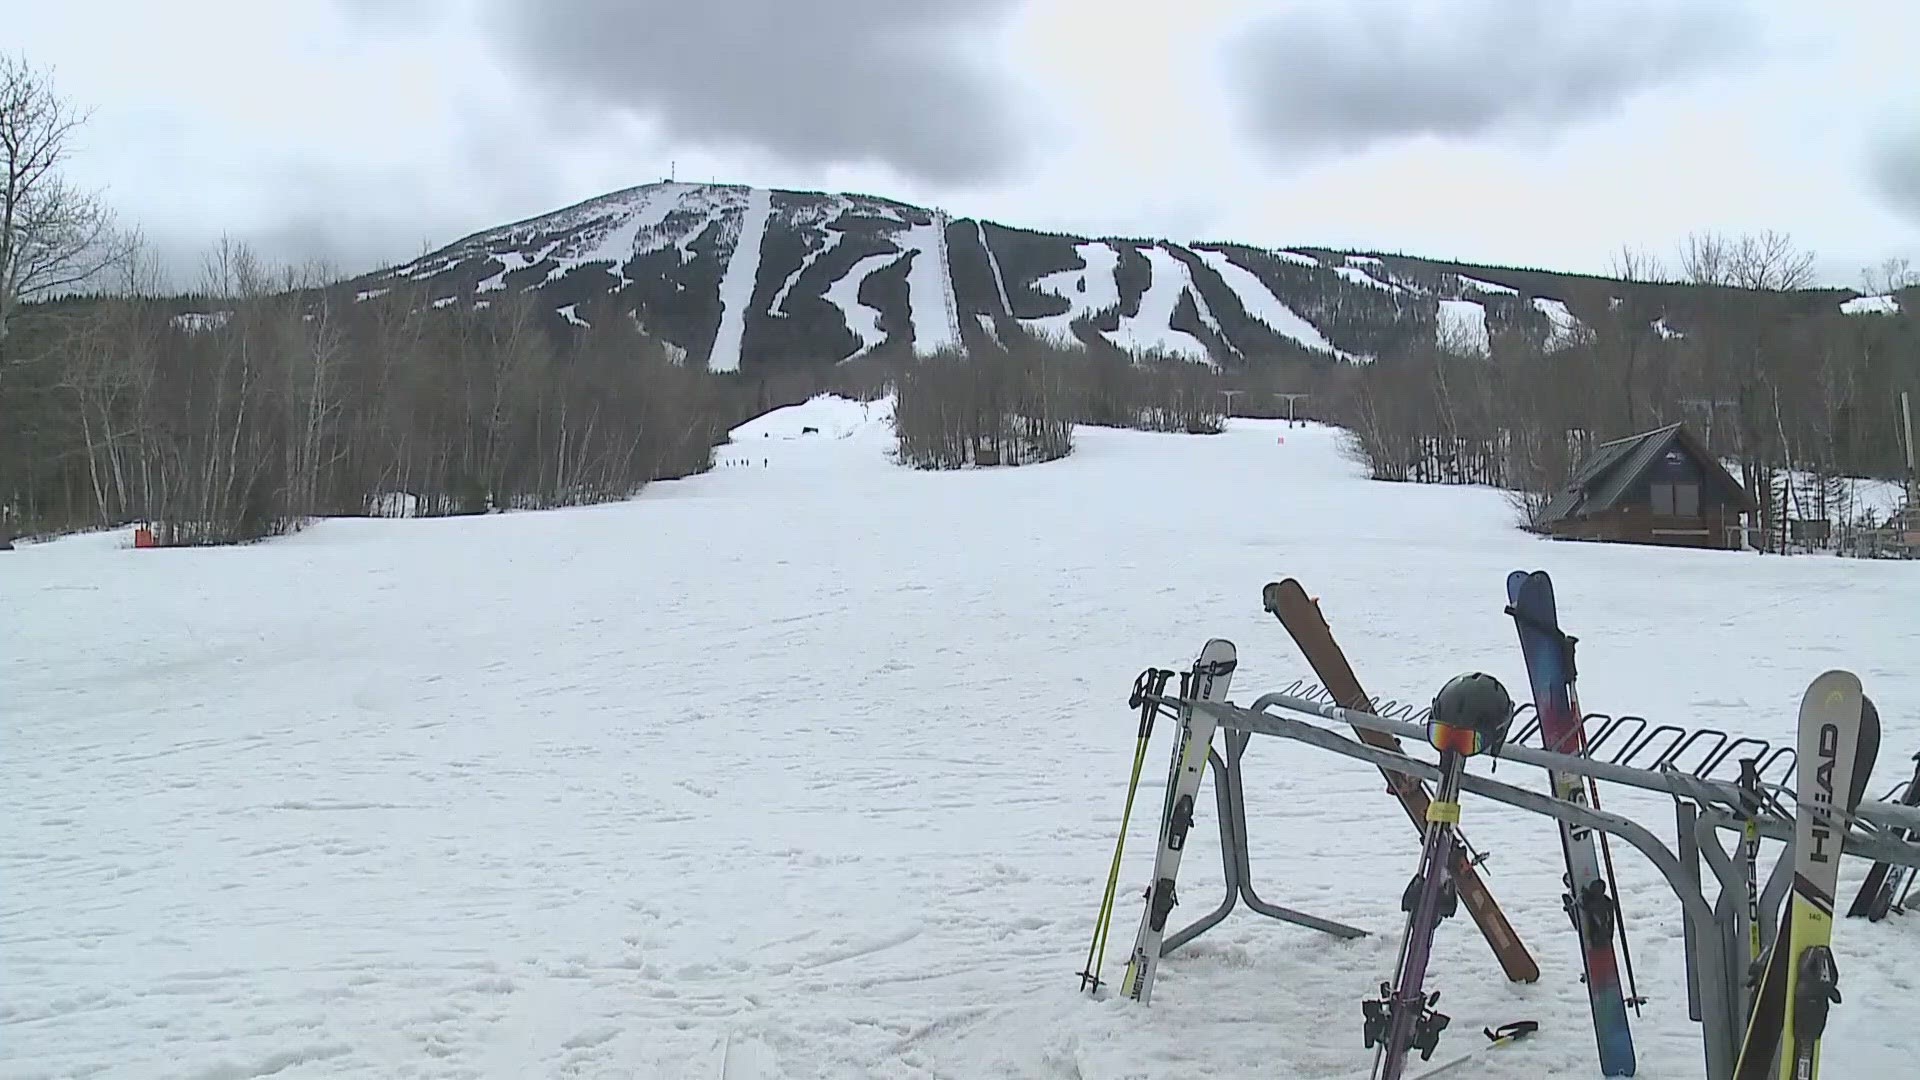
(815, 762)
(742, 277)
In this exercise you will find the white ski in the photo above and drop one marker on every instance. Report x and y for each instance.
(1212, 673)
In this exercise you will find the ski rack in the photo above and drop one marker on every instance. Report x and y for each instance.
(1714, 933)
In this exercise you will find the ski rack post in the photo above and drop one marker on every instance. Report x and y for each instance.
(1715, 957)
(1229, 799)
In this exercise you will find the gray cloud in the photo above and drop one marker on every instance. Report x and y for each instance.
(1896, 171)
(1345, 76)
(817, 83)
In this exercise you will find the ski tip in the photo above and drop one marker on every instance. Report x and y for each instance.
(1273, 591)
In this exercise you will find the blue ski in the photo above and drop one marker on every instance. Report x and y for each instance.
(1593, 909)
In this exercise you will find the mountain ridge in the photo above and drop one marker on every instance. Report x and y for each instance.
(826, 277)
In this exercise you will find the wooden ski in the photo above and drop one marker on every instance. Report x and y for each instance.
(1300, 614)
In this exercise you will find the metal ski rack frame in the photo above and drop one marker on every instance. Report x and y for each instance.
(1230, 800)
(1715, 933)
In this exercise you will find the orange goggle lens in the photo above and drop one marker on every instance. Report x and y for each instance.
(1457, 739)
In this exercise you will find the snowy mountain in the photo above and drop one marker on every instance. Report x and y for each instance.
(744, 277)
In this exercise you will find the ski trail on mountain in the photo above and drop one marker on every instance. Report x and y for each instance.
(862, 319)
(736, 288)
(930, 303)
(1153, 328)
(999, 280)
(1260, 303)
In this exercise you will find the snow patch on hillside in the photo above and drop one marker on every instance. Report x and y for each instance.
(930, 303)
(1566, 330)
(1666, 332)
(1260, 303)
(1152, 328)
(1361, 277)
(861, 319)
(1463, 324)
(509, 262)
(1089, 288)
(199, 322)
(569, 314)
(1884, 304)
(736, 287)
(1492, 287)
(1301, 258)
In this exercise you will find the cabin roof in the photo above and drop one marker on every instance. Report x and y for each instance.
(1613, 469)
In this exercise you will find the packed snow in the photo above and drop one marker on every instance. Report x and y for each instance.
(811, 767)
(736, 286)
(1871, 305)
(1463, 324)
(1152, 327)
(1260, 303)
(930, 303)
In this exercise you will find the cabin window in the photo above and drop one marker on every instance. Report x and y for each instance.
(1686, 500)
(1676, 500)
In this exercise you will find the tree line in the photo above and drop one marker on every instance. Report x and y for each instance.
(1014, 398)
(1772, 374)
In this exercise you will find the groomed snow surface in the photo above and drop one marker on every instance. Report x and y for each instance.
(814, 764)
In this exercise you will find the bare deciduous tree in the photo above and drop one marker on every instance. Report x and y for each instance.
(54, 237)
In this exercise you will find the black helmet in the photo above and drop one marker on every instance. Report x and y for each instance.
(1474, 702)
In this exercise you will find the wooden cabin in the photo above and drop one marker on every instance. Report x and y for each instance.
(1657, 487)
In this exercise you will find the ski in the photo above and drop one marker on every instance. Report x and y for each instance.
(1208, 681)
(1300, 614)
(1838, 742)
(1883, 885)
(1589, 901)
(1470, 716)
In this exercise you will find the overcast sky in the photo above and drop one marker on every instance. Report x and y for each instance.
(1529, 132)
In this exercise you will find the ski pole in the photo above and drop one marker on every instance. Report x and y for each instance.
(1750, 851)
(1146, 698)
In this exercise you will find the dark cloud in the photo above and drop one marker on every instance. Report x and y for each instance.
(1896, 171)
(1344, 76)
(817, 83)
